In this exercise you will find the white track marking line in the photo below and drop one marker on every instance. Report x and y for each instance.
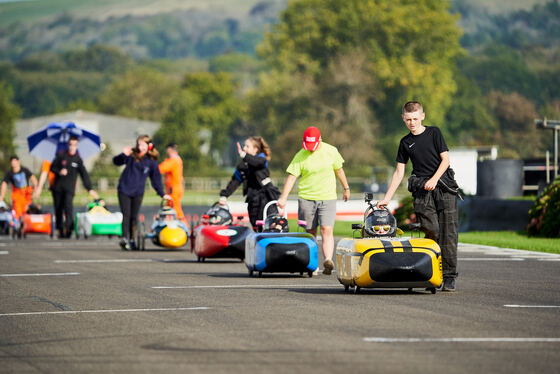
(461, 340)
(37, 274)
(104, 311)
(251, 286)
(4, 252)
(101, 261)
(491, 259)
(531, 306)
(3, 244)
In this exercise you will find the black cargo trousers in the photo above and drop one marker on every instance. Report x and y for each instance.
(437, 213)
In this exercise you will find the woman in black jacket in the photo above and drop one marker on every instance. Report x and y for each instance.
(253, 172)
(141, 163)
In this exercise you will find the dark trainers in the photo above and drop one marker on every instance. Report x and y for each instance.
(448, 285)
(124, 244)
(328, 267)
(132, 245)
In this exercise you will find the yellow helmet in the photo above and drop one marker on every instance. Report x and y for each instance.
(172, 236)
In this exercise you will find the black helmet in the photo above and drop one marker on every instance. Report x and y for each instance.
(167, 213)
(276, 223)
(219, 216)
(34, 209)
(380, 223)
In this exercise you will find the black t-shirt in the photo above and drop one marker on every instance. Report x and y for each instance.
(74, 165)
(423, 151)
(19, 179)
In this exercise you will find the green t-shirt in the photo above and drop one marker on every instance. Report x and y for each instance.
(316, 171)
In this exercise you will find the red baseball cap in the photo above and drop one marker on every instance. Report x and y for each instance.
(311, 138)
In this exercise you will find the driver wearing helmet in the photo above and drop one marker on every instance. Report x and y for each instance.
(219, 216)
(167, 214)
(276, 223)
(380, 223)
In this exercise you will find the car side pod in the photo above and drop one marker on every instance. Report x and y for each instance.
(281, 252)
(172, 236)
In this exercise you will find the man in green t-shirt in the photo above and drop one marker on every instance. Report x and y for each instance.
(317, 166)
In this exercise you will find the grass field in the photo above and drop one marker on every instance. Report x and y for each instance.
(30, 11)
(511, 239)
(150, 198)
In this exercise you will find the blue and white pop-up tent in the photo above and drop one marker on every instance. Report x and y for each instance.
(47, 142)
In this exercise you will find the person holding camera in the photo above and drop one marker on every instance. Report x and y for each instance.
(140, 163)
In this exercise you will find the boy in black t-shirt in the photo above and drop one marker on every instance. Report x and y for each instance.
(432, 185)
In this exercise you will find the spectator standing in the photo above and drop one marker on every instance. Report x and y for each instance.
(46, 173)
(140, 163)
(172, 170)
(23, 182)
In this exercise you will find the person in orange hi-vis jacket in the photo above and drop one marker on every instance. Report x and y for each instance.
(23, 182)
(45, 173)
(172, 170)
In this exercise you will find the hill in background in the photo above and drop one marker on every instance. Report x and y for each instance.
(172, 29)
(34, 10)
(176, 29)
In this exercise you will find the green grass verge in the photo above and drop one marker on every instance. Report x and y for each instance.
(150, 198)
(511, 239)
(341, 228)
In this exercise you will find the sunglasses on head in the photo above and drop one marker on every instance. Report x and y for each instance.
(384, 228)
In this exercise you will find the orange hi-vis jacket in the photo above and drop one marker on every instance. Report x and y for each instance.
(172, 171)
(47, 167)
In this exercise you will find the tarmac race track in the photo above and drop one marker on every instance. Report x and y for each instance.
(71, 306)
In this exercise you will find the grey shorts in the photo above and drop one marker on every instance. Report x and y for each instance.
(315, 213)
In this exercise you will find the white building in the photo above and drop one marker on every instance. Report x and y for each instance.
(464, 163)
(115, 131)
